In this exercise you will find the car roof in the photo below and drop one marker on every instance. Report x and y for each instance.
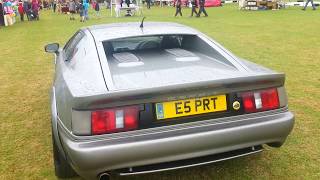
(120, 30)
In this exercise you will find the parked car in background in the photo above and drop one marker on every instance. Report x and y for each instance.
(131, 99)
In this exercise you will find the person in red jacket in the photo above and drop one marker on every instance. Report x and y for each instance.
(20, 10)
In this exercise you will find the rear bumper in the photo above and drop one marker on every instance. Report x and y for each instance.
(91, 156)
(172, 165)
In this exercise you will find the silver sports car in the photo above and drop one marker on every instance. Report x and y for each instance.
(131, 99)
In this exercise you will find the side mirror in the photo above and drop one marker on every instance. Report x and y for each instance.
(52, 48)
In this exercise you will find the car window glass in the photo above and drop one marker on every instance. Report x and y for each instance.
(69, 49)
(136, 43)
(79, 50)
(175, 44)
(67, 45)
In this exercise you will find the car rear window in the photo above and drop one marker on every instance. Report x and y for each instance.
(161, 60)
(143, 43)
(179, 47)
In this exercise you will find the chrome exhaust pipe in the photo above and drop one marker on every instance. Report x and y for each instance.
(104, 176)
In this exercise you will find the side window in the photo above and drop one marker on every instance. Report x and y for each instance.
(79, 49)
(69, 48)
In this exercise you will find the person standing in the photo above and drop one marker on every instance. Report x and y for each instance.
(81, 12)
(97, 9)
(201, 9)
(25, 8)
(8, 13)
(54, 5)
(72, 9)
(86, 9)
(193, 7)
(117, 8)
(35, 8)
(20, 10)
(107, 4)
(59, 6)
(313, 6)
(29, 11)
(148, 3)
(1, 15)
(178, 8)
(127, 2)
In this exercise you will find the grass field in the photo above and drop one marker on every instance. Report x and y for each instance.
(286, 40)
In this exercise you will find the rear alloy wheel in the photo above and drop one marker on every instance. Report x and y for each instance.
(62, 167)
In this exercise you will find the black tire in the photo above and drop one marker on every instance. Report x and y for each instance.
(105, 178)
(61, 166)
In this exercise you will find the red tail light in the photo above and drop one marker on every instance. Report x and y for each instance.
(248, 102)
(114, 120)
(270, 99)
(262, 100)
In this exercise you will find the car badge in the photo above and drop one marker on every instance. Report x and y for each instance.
(236, 105)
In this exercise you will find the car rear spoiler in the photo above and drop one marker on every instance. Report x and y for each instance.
(181, 91)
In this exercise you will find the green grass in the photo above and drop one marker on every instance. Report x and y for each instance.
(285, 40)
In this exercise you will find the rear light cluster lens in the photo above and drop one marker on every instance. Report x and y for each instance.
(114, 120)
(262, 100)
